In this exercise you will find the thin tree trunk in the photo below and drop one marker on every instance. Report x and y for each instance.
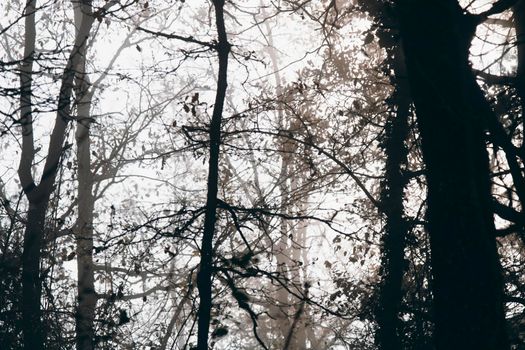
(86, 297)
(519, 25)
(279, 311)
(84, 238)
(452, 115)
(297, 328)
(175, 318)
(204, 277)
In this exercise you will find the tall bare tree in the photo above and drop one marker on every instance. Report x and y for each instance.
(205, 274)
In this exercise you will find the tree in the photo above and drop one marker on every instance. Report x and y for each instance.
(453, 115)
(204, 278)
(86, 296)
(38, 195)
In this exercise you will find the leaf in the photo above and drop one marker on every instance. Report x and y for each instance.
(195, 98)
(123, 317)
(219, 332)
(369, 38)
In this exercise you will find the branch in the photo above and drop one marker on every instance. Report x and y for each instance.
(498, 7)
(499, 137)
(505, 23)
(509, 230)
(495, 79)
(127, 271)
(512, 299)
(63, 117)
(508, 213)
(263, 211)
(188, 39)
(332, 157)
(133, 296)
(242, 301)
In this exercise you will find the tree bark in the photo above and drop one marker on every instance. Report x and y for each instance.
(204, 277)
(452, 114)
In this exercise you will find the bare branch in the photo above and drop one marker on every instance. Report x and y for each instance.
(498, 7)
(188, 39)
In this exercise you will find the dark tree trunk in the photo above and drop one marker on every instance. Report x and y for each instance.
(389, 336)
(204, 277)
(390, 294)
(31, 282)
(452, 115)
(32, 327)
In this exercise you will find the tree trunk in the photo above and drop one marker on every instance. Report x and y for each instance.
(86, 297)
(452, 114)
(204, 277)
(33, 327)
(388, 336)
(519, 25)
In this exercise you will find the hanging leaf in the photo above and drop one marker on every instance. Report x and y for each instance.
(219, 332)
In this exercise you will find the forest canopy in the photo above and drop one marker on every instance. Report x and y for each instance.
(241, 174)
